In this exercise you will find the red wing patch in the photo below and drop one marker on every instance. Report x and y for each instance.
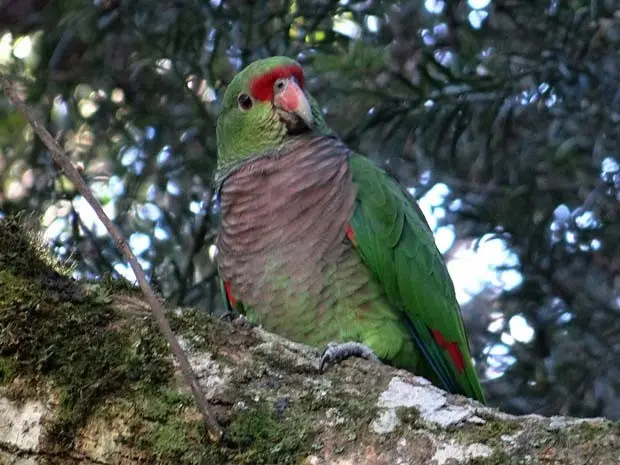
(261, 87)
(229, 295)
(351, 234)
(453, 350)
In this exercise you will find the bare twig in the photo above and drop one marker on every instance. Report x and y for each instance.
(63, 161)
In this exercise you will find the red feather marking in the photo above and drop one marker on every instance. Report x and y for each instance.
(229, 295)
(453, 350)
(351, 234)
(261, 87)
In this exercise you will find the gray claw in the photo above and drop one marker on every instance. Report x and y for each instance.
(237, 319)
(337, 352)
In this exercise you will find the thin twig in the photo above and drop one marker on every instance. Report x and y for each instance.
(62, 160)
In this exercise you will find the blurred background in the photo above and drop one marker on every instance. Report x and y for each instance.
(502, 117)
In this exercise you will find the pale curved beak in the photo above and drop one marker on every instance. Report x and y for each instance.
(292, 99)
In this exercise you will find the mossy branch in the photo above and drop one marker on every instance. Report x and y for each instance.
(62, 160)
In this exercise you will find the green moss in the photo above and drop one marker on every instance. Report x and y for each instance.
(496, 458)
(588, 431)
(8, 370)
(195, 326)
(489, 432)
(59, 330)
(408, 415)
(265, 437)
(103, 362)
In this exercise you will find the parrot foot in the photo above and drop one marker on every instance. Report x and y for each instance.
(237, 319)
(337, 352)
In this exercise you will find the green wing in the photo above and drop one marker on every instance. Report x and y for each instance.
(396, 243)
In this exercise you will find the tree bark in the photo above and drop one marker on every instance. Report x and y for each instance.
(93, 389)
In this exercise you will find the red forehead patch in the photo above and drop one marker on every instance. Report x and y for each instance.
(261, 87)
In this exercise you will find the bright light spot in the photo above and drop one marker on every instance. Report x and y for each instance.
(139, 242)
(561, 214)
(444, 57)
(149, 133)
(151, 193)
(118, 96)
(6, 47)
(434, 6)
(14, 190)
(60, 108)
(482, 70)
(427, 37)
(551, 100)
(173, 188)
(161, 234)
(435, 197)
(520, 330)
(89, 218)
(163, 65)
(440, 30)
(507, 339)
(596, 244)
(478, 4)
(22, 47)
(498, 349)
(609, 166)
(437, 194)
(56, 228)
(456, 205)
(476, 18)
(87, 107)
(474, 269)
(101, 190)
(372, 23)
(444, 238)
(209, 95)
(347, 27)
(497, 325)
(586, 220)
(129, 155)
(195, 207)
(565, 317)
(125, 271)
(212, 251)
(149, 211)
(570, 237)
(498, 360)
(164, 155)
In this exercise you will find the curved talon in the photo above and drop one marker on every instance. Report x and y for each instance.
(228, 316)
(337, 352)
(237, 319)
(242, 321)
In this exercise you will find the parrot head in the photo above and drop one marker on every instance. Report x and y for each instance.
(265, 104)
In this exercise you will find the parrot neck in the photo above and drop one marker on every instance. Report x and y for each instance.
(225, 171)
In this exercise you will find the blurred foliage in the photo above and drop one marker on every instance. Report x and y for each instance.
(511, 107)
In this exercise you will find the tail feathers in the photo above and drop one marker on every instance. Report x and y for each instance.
(468, 386)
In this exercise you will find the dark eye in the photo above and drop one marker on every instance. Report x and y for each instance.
(245, 101)
(279, 84)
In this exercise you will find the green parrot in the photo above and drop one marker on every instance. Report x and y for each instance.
(319, 245)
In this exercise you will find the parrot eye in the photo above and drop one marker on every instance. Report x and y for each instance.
(245, 101)
(279, 85)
